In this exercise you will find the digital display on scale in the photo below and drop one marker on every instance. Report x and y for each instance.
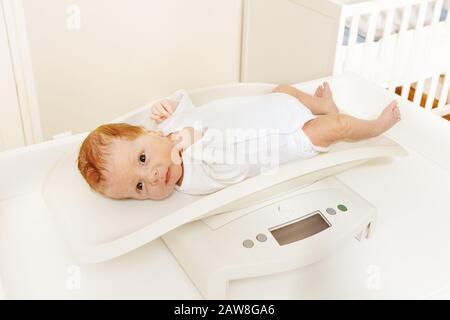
(299, 229)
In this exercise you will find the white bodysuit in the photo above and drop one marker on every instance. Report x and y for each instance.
(242, 137)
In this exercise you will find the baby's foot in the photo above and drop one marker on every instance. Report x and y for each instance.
(389, 117)
(324, 91)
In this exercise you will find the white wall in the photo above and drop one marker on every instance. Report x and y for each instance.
(297, 45)
(11, 131)
(125, 54)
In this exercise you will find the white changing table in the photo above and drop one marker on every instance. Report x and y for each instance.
(407, 257)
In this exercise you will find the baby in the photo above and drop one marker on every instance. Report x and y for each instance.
(190, 151)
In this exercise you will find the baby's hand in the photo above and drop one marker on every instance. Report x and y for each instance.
(184, 138)
(162, 110)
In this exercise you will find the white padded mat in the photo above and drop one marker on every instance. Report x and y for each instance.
(99, 228)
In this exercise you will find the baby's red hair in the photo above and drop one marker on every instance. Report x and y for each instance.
(93, 153)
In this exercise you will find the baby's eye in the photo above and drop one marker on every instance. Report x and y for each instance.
(139, 186)
(142, 158)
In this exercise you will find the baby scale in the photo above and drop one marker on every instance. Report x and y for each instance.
(284, 233)
(274, 222)
(298, 220)
(270, 223)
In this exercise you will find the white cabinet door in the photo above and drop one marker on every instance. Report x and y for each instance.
(11, 130)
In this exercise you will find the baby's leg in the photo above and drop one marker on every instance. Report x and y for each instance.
(327, 129)
(320, 103)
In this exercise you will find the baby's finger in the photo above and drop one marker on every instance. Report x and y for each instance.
(157, 118)
(157, 109)
(162, 111)
(167, 106)
(155, 114)
(156, 104)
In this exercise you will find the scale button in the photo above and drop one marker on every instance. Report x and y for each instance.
(261, 237)
(342, 207)
(248, 243)
(331, 211)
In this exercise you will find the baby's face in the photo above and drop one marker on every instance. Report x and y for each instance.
(145, 168)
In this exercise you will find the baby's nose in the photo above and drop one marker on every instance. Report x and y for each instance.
(156, 176)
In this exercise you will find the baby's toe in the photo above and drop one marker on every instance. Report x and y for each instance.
(396, 112)
(319, 91)
(393, 104)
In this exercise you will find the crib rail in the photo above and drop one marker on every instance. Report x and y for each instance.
(399, 44)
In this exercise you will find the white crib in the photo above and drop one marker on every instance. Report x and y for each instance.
(403, 45)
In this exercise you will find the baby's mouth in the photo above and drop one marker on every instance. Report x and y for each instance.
(167, 175)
